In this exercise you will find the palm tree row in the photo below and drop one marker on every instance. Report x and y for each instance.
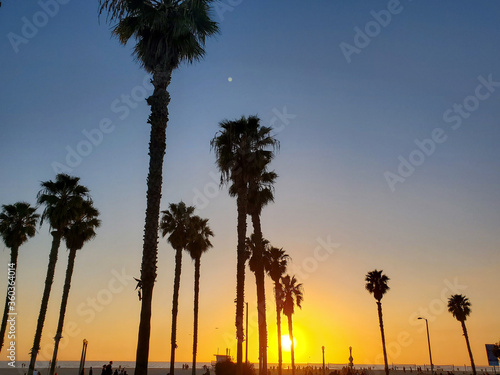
(166, 33)
(72, 217)
(458, 306)
(190, 233)
(243, 150)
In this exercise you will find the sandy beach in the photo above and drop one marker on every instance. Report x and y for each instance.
(164, 371)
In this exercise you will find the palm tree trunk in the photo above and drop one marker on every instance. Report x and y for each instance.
(175, 305)
(292, 349)
(261, 293)
(278, 324)
(197, 266)
(381, 322)
(241, 203)
(49, 278)
(62, 311)
(13, 260)
(158, 120)
(468, 347)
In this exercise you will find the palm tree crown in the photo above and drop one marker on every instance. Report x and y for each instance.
(167, 32)
(17, 223)
(241, 148)
(459, 307)
(275, 262)
(376, 284)
(199, 237)
(63, 200)
(176, 221)
(83, 228)
(292, 295)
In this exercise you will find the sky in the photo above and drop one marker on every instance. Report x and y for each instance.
(387, 116)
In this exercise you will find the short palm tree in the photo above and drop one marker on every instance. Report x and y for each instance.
(199, 242)
(241, 147)
(64, 200)
(376, 284)
(459, 307)
(275, 263)
(166, 33)
(80, 231)
(176, 222)
(260, 194)
(292, 295)
(17, 224)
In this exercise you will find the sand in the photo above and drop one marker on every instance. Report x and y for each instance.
(163, 371)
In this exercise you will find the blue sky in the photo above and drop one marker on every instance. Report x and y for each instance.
(342, 126)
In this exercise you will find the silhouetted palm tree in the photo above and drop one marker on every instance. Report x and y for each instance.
(17, 223)
(275, 263)
(260, 193)
(459, 307)
(292, 295)
(199, 243)
(64, 199)
(376, 284)
(241, 148)
(167, 33)
(79, 232)
(176, 221)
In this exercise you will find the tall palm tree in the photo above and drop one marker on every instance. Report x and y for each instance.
(459, 307)
(199, 243)
(17, 223)
(260, 193)
(176, 221)
(64, 200)
(80, 231)
(376, 284)
(275, 263)
(166, 33)
(292, 295)
(241, 147)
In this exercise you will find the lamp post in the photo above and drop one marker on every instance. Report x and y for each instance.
(323, 350)
(246, 338)
(429, 342)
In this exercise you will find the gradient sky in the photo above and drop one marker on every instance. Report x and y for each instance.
(347, 199)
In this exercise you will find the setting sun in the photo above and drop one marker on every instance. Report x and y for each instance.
(286, 343)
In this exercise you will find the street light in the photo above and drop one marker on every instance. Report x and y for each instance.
(323, 350)
(429, 342)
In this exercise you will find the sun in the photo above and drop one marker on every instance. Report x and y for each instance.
(286, 343)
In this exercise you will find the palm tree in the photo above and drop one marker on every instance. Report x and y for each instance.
(64, 200)
(167, 33)
(376, 284)
(176, 221)
(260, 193)
(459, 307)
(17, 223)
(199, 243)
(275, 263)
(292, 295)
(241, 148)
(80, 231)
